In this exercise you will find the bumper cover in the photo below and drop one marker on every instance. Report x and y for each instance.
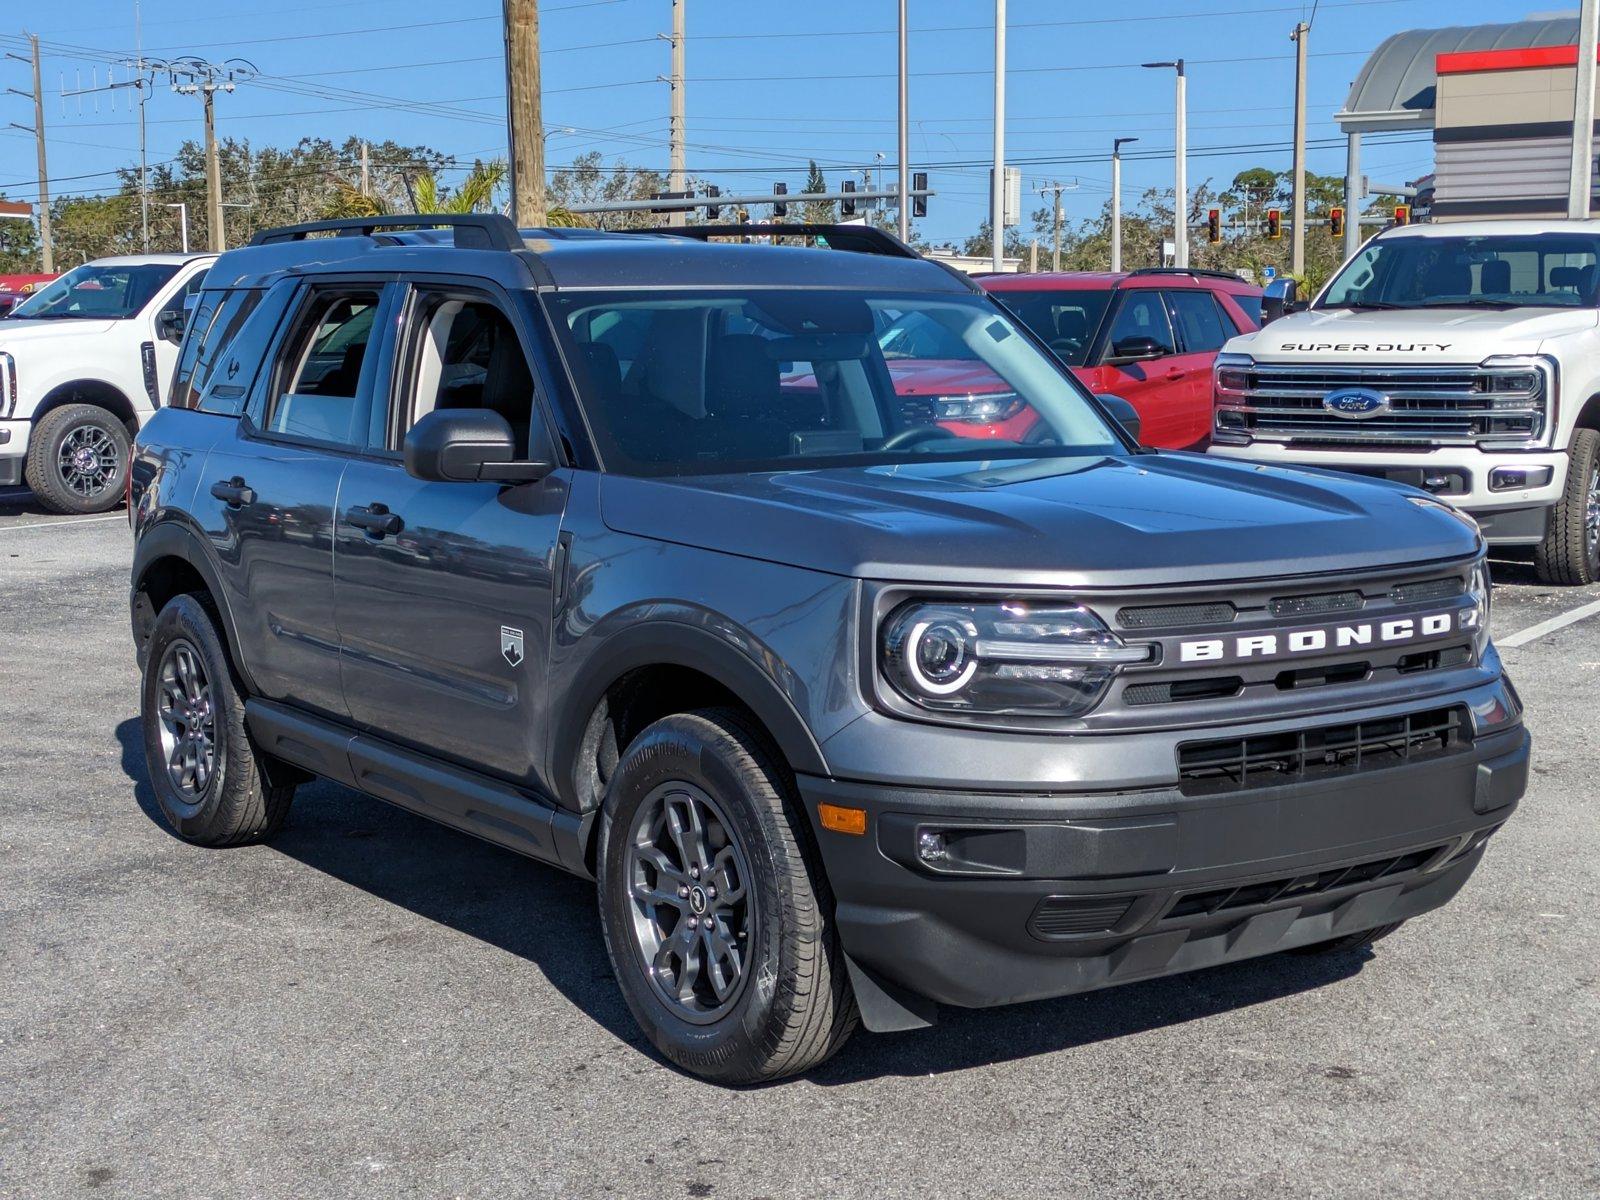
(13, 450)
(1041, 895)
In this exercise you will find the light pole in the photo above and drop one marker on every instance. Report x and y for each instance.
(1297, 207)
(1116, 200)
(183, 222)
(905, 136)
(997, 184)
(1180, 186)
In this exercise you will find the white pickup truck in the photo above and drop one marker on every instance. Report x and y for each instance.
(1462, 358)
(84, 362)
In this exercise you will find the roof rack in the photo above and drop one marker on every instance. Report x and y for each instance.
(859, 239)
(473, 231)
(1195, 271)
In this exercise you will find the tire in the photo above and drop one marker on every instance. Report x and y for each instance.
(784, 1004)
(209, 779)
(78, 460)
(1350, 941)
(1570, 552)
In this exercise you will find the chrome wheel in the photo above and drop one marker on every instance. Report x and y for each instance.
(188, 720)
(1591, 515)
(88, 460)
(691, 904)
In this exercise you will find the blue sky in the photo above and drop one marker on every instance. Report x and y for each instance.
(766, 88)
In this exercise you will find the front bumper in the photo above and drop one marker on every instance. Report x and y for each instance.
(13, 450)
(1509, 517)
(1049, 893)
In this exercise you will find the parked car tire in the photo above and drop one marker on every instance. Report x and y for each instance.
(716, 913)
(1570, 552)
(208, 776)
(1350, 941)
(78, 459)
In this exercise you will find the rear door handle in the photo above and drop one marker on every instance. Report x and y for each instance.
(376, 519)
(233, 492)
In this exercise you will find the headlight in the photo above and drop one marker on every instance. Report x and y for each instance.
(8, 384)
(1231, 375)
(1009, 657)
(981, 409)
(1481, 588)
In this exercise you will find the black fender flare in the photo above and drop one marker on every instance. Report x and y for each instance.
(677, 644)
(173, 539)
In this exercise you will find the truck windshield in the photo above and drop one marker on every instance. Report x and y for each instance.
(1540, 270)
(700, 382)
(97, 292)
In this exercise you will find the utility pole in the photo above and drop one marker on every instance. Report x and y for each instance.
(1581, 182)
(677, 175)
(208, 78)
(366, 169)
(1116, 200)
(1297, 211)
(47, 251)
(219, 240)
(523, 109)
(1046, 192)
(1180, 171)
(997, 181)
(905, 134)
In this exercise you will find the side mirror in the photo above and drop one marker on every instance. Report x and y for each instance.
(1136, 349)
(1122, 412)
(468, 445)
(1279, 297)
(169, 325)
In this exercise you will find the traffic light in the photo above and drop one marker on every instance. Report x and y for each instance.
(713, 211)
(1402, 214)
(847, 208)
(1274, 223)
(919, 183)
(1213, 225)
(779, 208)
(1336, 222)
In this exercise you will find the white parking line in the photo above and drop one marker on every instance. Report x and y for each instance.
(58, 524)
(1523, 636)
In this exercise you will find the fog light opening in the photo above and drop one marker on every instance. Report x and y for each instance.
(1514, 479)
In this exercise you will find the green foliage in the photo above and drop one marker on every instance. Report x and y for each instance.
(588, 181)
(19, 246)
(817, 212)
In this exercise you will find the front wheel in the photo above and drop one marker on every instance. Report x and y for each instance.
(717, 916)
(1570, 552)
(78, 459)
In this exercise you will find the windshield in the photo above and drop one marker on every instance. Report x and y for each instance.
(697, 382)
(97, 292)
(1065, 320)
(1543, 270)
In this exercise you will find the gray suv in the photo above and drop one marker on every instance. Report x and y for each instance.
(621, 551)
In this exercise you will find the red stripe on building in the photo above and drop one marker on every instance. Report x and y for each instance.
(1506, 60)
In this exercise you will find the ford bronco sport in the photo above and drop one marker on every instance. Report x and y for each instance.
(523, 531)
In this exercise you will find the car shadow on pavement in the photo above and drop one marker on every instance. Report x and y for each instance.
(548, 918)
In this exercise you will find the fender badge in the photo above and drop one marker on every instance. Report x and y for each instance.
(511, 645)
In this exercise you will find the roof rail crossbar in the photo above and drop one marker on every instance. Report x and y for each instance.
(859, 239)
(1195, 271)
(473, 231)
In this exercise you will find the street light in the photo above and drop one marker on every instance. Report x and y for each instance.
(1116, 200)
(1180, 215)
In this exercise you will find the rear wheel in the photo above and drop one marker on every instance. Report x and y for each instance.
(78, 459)
(209, 779)
(1570, 552)
(1350, 941)
(717, 917)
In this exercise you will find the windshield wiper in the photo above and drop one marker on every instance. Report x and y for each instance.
(1474, 302)
(1366, 305)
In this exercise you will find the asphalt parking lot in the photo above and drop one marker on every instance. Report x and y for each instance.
(377, 1006)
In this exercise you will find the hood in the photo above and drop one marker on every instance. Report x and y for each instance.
(13, 330)
(942, 377)
(1048, 522)
(1429, 335)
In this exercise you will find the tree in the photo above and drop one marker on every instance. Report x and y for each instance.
(817, 212)
(587, 181)
(19, 246)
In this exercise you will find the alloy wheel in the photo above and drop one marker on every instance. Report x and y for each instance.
(1591, 516)
(188, 720)
(692, 909)
(87, 460)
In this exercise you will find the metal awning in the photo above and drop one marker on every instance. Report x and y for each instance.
(1397, 84)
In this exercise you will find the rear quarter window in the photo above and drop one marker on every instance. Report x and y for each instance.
(218, 318)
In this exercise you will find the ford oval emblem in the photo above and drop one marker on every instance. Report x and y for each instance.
(1357, 404)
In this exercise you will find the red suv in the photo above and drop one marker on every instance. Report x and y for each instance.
(1148, 336)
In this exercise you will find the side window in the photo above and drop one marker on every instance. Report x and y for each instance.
(1249, 303)
(463, 352)
(1200, 327)
(320, 369)
(1141, 319)
(217, 320)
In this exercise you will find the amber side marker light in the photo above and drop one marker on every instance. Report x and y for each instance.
(842, 820)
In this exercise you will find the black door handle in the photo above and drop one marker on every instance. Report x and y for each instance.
(376, 519)
(233, 492)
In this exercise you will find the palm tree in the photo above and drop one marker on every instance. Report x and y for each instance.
(475, 194)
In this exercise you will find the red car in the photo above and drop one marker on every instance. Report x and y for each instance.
(1148, 336)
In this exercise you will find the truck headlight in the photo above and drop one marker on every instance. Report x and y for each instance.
(1231, 374)
(999, 658)
(8, 385)
(1480, 587)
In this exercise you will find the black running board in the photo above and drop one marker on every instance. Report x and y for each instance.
(443, 792)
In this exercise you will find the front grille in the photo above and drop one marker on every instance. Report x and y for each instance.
(1313, 606)
(1178, 691)
(1298, 887)
(1428, 406)
(1071, 916)
(1272, 759)
(1168, 616)
(1427, 589)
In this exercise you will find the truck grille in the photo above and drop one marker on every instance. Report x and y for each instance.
(1427, 406)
